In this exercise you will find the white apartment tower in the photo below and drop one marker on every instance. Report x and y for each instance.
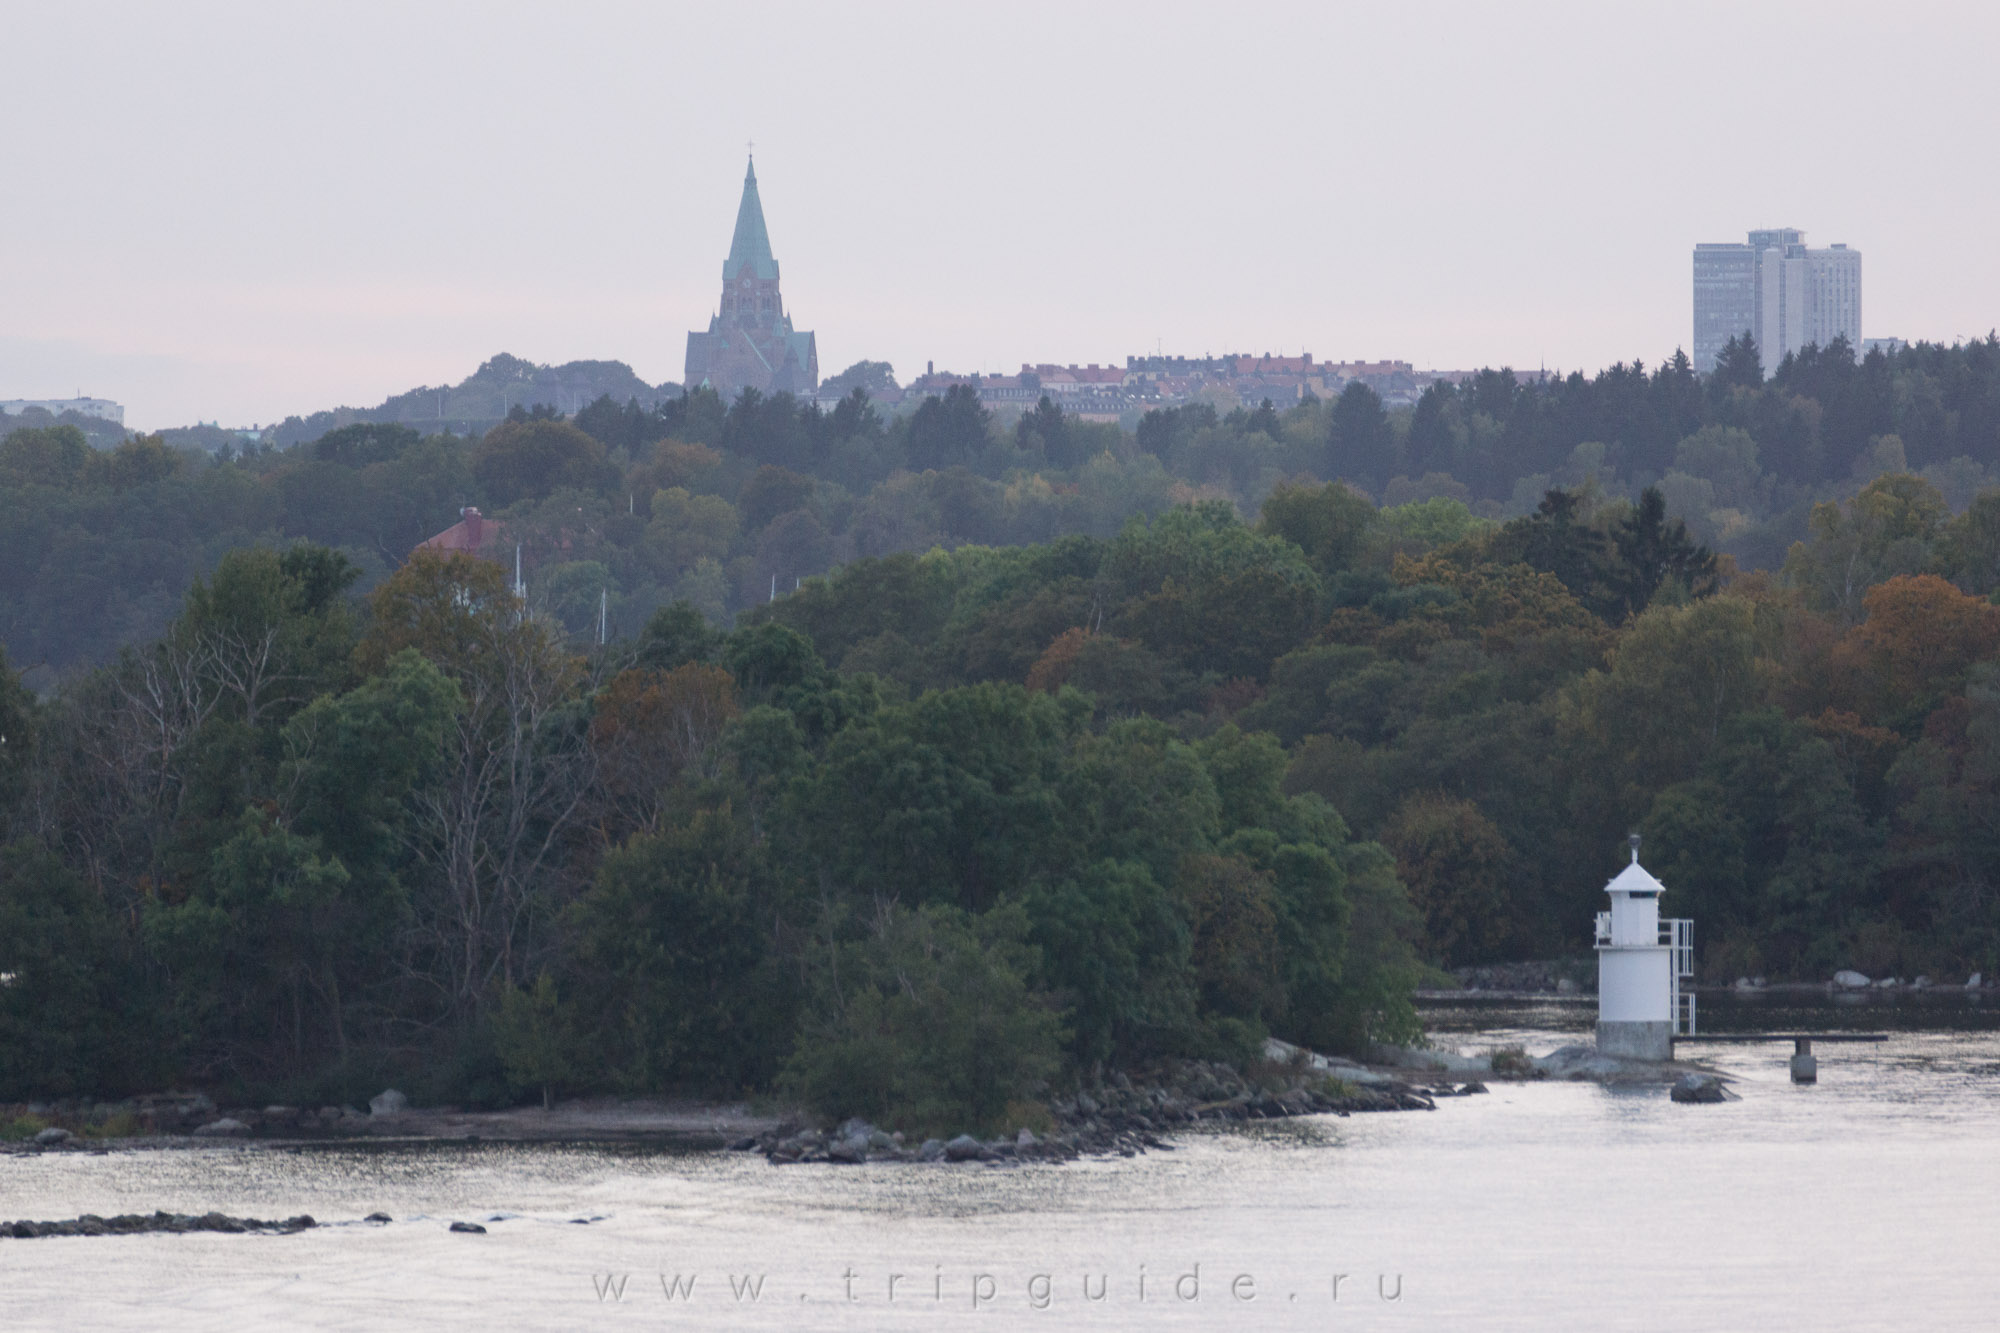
(1777, 290)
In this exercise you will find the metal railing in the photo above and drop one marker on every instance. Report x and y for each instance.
(1677, 933)
(1683, 1013)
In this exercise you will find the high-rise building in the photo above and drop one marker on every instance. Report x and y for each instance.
(750, 343)
(1782, 293)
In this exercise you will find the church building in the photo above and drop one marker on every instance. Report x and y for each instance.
(750, 343)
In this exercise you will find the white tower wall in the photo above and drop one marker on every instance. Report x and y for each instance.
(1634, 986)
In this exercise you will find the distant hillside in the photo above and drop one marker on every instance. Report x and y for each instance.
(482, 399)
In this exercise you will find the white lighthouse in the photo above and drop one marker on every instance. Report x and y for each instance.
(1640, 962)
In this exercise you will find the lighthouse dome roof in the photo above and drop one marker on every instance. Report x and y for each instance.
(1634, 879)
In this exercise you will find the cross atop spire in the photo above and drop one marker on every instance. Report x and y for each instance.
(751, 244)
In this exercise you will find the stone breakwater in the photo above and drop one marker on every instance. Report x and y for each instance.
(132, 1224)
(1119, 1117)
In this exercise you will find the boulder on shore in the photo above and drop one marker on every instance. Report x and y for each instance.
(964, 1148)
(54, 1134)
(1848, 979)
(388, 1102)
(1699, 1089)
(226, 1128)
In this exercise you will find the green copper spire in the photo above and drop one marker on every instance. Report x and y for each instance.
(752, 244)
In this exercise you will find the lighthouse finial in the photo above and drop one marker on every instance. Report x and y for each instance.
(1635, 849)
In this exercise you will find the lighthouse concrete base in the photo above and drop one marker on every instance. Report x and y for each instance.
(1636, 1041)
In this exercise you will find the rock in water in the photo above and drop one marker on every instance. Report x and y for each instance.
(469, 1228)
(1847, 979)
(388, 1102)
(1974, 981)
(1701, 1089)
(225, 1128)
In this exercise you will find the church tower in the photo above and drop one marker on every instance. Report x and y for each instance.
(750, 343)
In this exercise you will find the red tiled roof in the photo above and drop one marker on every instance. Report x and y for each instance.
(473, 533)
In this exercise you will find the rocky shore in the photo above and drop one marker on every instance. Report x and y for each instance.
(1117, 1114)
(1124, 1115)
(186, 1120)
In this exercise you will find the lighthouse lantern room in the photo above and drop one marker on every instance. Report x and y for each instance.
(1641, 960)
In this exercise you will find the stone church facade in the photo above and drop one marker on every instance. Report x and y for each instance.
(750, 343)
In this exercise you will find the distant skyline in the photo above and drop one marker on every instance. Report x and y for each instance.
(237, 212)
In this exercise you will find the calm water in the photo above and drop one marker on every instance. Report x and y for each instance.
(1872, 1198)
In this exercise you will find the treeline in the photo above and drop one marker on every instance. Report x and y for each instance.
(635, 506)
(303, 844)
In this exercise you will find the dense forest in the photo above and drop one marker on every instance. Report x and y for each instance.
(1071, 746)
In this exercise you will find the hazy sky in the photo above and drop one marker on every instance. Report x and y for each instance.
(241, 211)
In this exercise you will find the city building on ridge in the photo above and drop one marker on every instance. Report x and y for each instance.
(1775, 288)
(101, 408)
(1111, 393)
(750, 342)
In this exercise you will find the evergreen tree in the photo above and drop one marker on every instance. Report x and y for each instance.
(1361, 445)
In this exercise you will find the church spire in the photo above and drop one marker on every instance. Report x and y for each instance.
(751, 244)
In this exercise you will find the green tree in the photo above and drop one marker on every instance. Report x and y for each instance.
(533, 1033)
(1739, 366)
(1654, 553)
(1329, 523)
(1889, 528)
(1115, 953)
(79, 1015)
(875, 377)
(771, 491)
(268, 631)
(927, 1023)
(949, 431)
(1361, 444)
(674, 948)
(17, 740)
(1968, 549)
(527, 459)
